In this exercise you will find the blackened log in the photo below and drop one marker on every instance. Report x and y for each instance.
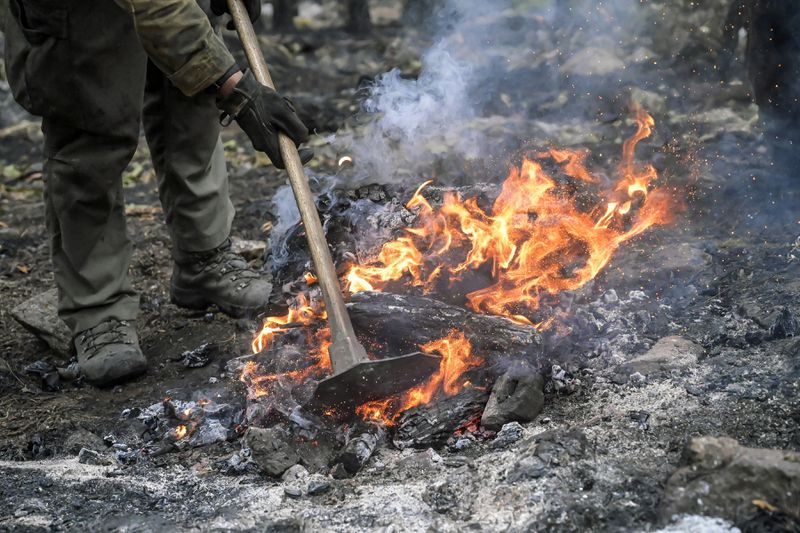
(362, 441)
(283, 14)
(404, 322)
(431, 425)
(358, 19)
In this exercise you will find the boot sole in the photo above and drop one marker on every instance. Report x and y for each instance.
(189, 299)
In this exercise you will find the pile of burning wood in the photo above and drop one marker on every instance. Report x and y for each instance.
(471, 275)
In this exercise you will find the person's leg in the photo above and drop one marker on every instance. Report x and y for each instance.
(85, 214)
(187, 153)
(84, 73)
(183, 136)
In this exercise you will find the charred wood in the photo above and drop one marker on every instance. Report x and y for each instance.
(362, 441)
(431, 425)
(404, 322)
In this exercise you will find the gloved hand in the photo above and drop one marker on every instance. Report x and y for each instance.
(253, 7)
(261, 113)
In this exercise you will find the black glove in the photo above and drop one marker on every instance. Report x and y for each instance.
(261, 113)
(253, 7)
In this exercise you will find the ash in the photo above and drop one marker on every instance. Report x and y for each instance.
(688, 336)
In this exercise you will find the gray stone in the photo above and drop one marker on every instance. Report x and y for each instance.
(427, 460)
(721, 478)
(272, 449)
(79, 439)
(39, 315)
(318, 485)
(515, 398)
(91, 457)
(668, 354)
(250, 250)
(293, 491)
(295, 473)
(509, 434)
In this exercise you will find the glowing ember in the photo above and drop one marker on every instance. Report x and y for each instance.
(181, 431)
(534, 241)
(457, 358)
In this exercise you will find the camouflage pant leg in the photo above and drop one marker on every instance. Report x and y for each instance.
(183, 135)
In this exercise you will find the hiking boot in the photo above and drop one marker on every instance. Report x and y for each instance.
(109, 352)
(222, 278)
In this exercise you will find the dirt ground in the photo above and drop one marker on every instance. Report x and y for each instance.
(718, 277)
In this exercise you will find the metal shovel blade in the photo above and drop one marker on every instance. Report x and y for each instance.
(371, 380)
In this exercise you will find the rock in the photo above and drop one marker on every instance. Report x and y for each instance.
(509, 434)
(250, 250)
(464, 442)
(721, 478)
(91, 457)
(293, 491)
(785, 325)
(39, 315)
(79, 439)
(318, 485)
(272, 449)
(668, 354)
(593, 61)
(295, 473)
(515, 398)
(426, 461)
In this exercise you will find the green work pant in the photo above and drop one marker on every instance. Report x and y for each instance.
(94, 86)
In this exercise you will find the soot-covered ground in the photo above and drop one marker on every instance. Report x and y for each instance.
(714, 283)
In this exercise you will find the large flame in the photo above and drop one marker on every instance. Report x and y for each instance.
(535, 240)
(539, 238)
(457, 358)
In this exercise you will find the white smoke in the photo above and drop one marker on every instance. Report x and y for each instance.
(413, 122)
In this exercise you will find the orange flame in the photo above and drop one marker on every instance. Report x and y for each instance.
(181, 431)
(301, 313)
(535, 240)
(457, 358)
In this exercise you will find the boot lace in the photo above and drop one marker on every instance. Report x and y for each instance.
(93, 339)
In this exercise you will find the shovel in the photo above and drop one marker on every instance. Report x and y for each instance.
(356, 378)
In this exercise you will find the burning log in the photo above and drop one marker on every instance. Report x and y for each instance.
(405, 322)
(431, 425)
(362, 441)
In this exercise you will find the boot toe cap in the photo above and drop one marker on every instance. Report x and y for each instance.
(107, 369)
